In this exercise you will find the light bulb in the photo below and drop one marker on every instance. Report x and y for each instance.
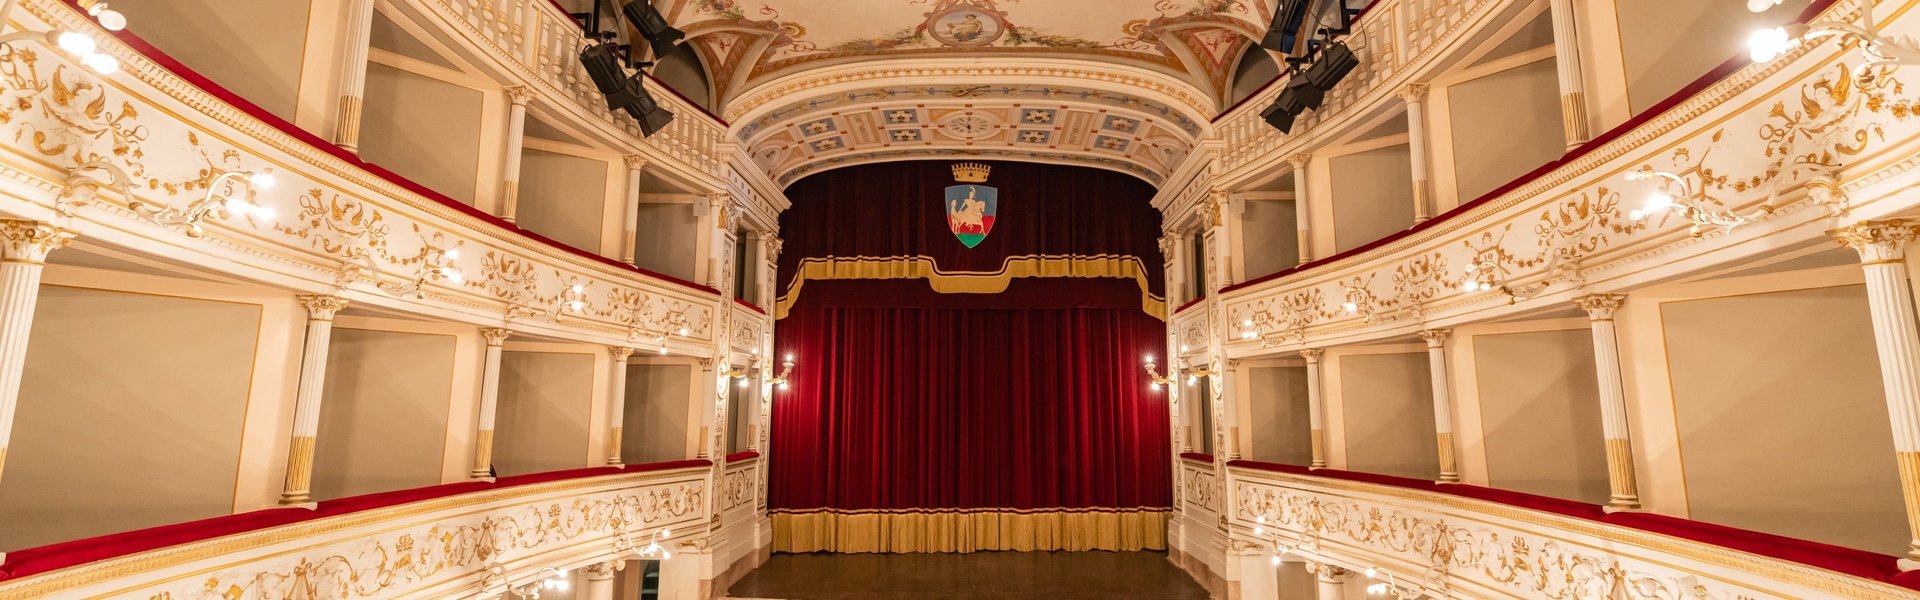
(77, 43)
(239, 208)
(1259, 531)
(452, 254)
(743, 384)
(683, 331)
(1155, 386)
(665, 555)
(1276, 561)
(1659, 201)
(101, 63)
(455, 276)
(665, 533)
(1249, 335)
(1768, 44)
(783, 387)
(112, 20)
(577, 288)
(575, 305)
(261, 179)
(1372, 572)
(1468, 286)
(1349, 306)
(663, 348)
(263, 213)
(1260, 519)
(1247, 323)
(1192, 380)
(1637, 214)
(789, 357)
(1183, 347)
(1377, 589)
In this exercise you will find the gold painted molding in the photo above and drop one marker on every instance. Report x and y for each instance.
(973, 282)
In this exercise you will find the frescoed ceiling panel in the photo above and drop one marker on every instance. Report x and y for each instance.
(1195, 41)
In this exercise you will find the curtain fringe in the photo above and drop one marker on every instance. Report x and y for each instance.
(915, 531)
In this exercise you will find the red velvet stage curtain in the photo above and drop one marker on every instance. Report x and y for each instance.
(977, 405)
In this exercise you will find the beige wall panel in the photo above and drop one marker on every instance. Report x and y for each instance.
(1271, 237)
(563, 197)
(1540, 411)
(1296, 582)
(1372, 195)
(656, 423)
(130, 414)
(251, 47)
(1781, 416)
(1504, 125)
(425, 129)
(544, 411)
(1277, 407)
(383, 423)
(1669, 44)
(667, 240)
(1387, 407)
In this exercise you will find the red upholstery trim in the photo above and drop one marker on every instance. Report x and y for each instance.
(740, 456)
(1858, 563)
(749, 305)
(207, 85)
(33, 561)
(1190, 304)
(1197, 457)
(1712, 77)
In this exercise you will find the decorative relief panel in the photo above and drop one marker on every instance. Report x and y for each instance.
(445, 545)
(1794, 166)
(116, 155)
(1457, 544)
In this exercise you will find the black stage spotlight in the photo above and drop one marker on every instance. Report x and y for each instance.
(1279, 117)
(639, 103)
(602, 62)
(653, 26)
(1333, 65)
(1300, 95)
(1287, 18)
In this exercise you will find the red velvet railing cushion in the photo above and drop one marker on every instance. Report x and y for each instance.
(668, 466)
(328, 508)
(740, 456)
(533, 478)
(1559, 506)
(1858, 563)
(33, 561)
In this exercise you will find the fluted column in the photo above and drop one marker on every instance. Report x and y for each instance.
(636, 164)
(1302, 209)
(1229, 411)
(353, 74)
(489, 402)
(1442, 401)
(516, 139)
(1613, 399)
(599, 581)
(1332, 582)
(306, 401)
(1316, 408)
(24, 245)
(1883, 246)
(616, 399)
(1220, 240)
(1415, 95)
(1573, 85)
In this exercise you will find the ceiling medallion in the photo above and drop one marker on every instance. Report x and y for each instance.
(969, 126)
(966, 26)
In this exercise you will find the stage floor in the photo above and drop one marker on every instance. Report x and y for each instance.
(1001, 575)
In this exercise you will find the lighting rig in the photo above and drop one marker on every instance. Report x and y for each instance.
(1315, 65)
(607, 63)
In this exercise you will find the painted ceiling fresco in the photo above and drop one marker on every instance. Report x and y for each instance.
(745, 42)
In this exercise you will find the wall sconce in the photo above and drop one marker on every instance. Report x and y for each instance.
(1768, 44)
(1484, 275)
(80, 45)
(436, 263)
(219, 201)
(1385, 583)
(1692, 207)
(1306, 546)
(652, 550)
(550, 579)
(740, 374)
(83, 189)
(1194, 374)
(1159, 380)
(786, 370)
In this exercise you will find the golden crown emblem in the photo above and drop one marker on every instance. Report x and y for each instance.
(971, 172)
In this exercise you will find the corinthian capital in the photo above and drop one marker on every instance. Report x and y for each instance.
(1414, 92)
(519, 95)
(28, 241)
(322, 307)
(1600, 307)
(1435, 337)
(1300, 160)
(1878, 241)
(636, 162)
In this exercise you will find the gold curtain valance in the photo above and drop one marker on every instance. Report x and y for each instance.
(973, 282)
(950, 530)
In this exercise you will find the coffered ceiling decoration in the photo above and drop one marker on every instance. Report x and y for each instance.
(1082, 126)
(749, 42)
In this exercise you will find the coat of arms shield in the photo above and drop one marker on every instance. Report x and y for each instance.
(971, 206)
